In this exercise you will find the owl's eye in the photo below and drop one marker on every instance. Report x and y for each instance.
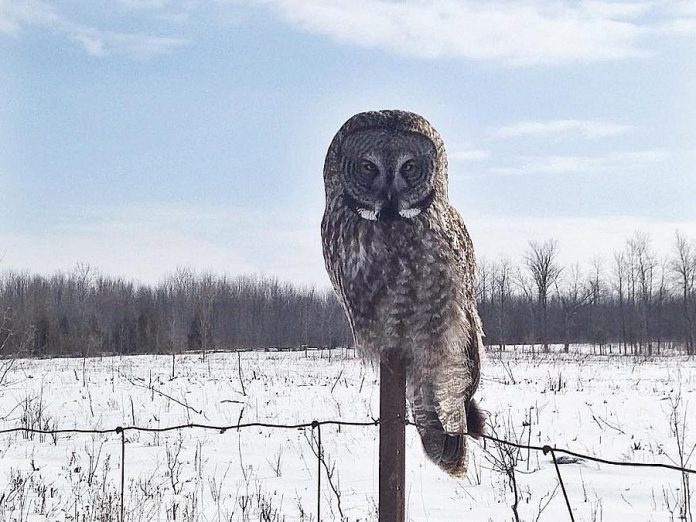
(368, 167)
(408, 168)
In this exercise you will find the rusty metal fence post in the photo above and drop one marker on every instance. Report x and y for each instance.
(392, 438)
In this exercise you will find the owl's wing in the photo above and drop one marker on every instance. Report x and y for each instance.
(467, 347)
(442, 402)
(462, 250)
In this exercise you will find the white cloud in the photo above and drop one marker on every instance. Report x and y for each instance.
(513, 32)
(682, 21)
(96, 42)
(15, 14)
(551, 164)
(140, 44)
(590, 129)
(145, 4)
(619, 10)
(639, 157)
(582, 164)
(685, 7)
(469, 155)
(517, 32)
(680, 26)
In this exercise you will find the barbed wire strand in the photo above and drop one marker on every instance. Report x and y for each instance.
(578, 455)
(316, 424)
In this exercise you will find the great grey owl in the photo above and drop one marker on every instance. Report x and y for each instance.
(402, 264)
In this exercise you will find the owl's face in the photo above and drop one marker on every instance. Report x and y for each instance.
(387, 174)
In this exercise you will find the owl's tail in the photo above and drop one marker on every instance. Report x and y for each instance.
(447, 450)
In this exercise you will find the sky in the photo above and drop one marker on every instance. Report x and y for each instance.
(140, 136)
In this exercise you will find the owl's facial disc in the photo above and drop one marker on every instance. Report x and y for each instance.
(387, 174)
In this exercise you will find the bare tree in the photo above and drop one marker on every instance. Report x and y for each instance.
(683, 266)
(659, 307)
(596, 289)
(644, 262)
(501, 294)
(542, 264)
(573, 295)
(526, 292)
(620, 275)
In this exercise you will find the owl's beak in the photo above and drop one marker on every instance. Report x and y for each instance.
(390, 209)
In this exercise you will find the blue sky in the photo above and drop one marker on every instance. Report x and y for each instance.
(142, 135)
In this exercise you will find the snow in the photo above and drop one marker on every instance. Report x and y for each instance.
(615, 407)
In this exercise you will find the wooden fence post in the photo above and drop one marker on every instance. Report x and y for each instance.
(392, 438)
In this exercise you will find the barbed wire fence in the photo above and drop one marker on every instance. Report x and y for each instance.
(316, 425)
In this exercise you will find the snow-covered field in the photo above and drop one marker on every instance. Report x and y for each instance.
(616, 407)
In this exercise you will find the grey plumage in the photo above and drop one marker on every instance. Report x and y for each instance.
(402, 264)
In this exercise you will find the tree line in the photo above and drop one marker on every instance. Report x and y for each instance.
(637, 302)
(83, 313)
